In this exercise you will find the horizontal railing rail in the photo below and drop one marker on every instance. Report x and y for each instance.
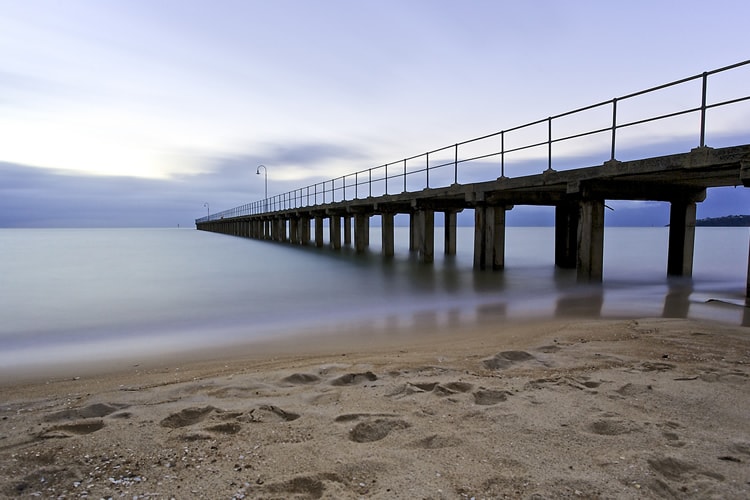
(380, 180)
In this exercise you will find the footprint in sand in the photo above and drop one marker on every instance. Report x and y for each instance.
(186, 417)
(268, 413)
(354, 378)
(611, 427)
(301, 379)
(446, 389)
(506, 359)
(674, 469)
(375, 430)
(97, 410)
(436, 441)
(303, 486)
(349, 417)
(73, 429)
(225, 428)
(487, 397)
(630, 389)
(648, 366)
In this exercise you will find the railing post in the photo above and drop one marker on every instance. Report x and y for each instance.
(369, 182)
(455, 166)
(386, 178)
(549, 144)
(502, 154)
(343, 188)
(324, 192)
(356, 185)
(614, 127)
(703, 110)
(427, 170)
(404, 175)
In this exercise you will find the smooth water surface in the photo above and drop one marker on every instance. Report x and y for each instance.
(74, 294)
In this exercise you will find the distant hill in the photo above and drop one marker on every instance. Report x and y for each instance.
(727, 221)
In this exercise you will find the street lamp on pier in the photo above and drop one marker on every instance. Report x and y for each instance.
(208, 211)
(265, 171)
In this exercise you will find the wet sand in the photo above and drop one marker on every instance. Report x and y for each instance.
(649, 408)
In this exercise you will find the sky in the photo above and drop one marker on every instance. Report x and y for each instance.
(133, 113)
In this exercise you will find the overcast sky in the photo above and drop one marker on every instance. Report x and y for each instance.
(137, 112)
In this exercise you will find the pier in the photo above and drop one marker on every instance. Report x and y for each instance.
(449, 180)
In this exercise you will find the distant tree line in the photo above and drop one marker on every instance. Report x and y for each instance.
(726, 221)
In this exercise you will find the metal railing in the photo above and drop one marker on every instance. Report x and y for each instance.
(425, 168)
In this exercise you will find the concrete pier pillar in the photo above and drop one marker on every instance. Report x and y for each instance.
(304, 230)
(388, 235)
(294, 231)
(347, 230)
(566, 236)
(282, 230)
(590, 259)
(334, 229)
(318, 231)
(361, 232)
(681, 238)
(489, 237)
(425, 223)
(450, 233)
(413, 236)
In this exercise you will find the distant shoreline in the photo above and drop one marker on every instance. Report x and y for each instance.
(726, 221)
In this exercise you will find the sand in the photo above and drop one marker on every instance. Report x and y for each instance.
(650, 408)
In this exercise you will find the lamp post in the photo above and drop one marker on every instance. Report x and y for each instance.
(208, 211)
(265, 171)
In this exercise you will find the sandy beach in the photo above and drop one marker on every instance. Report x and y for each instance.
(648, 408)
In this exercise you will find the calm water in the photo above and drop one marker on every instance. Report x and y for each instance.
(70, 294)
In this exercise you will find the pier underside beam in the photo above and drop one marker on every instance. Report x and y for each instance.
(682, 216)
(566, 235)
(590, 259)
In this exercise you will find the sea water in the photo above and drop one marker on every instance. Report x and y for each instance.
(68, 295)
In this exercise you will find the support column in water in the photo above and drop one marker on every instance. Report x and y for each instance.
(489, 237)
(334, 229)
(304, 230)
(294, 230)
(361, 232)
(426, 231)
(413, 236)
(388, 235)
(590, 260)
(347, 230)
(318, 231)
(450, 232)
(566, 235)
(682, 216)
